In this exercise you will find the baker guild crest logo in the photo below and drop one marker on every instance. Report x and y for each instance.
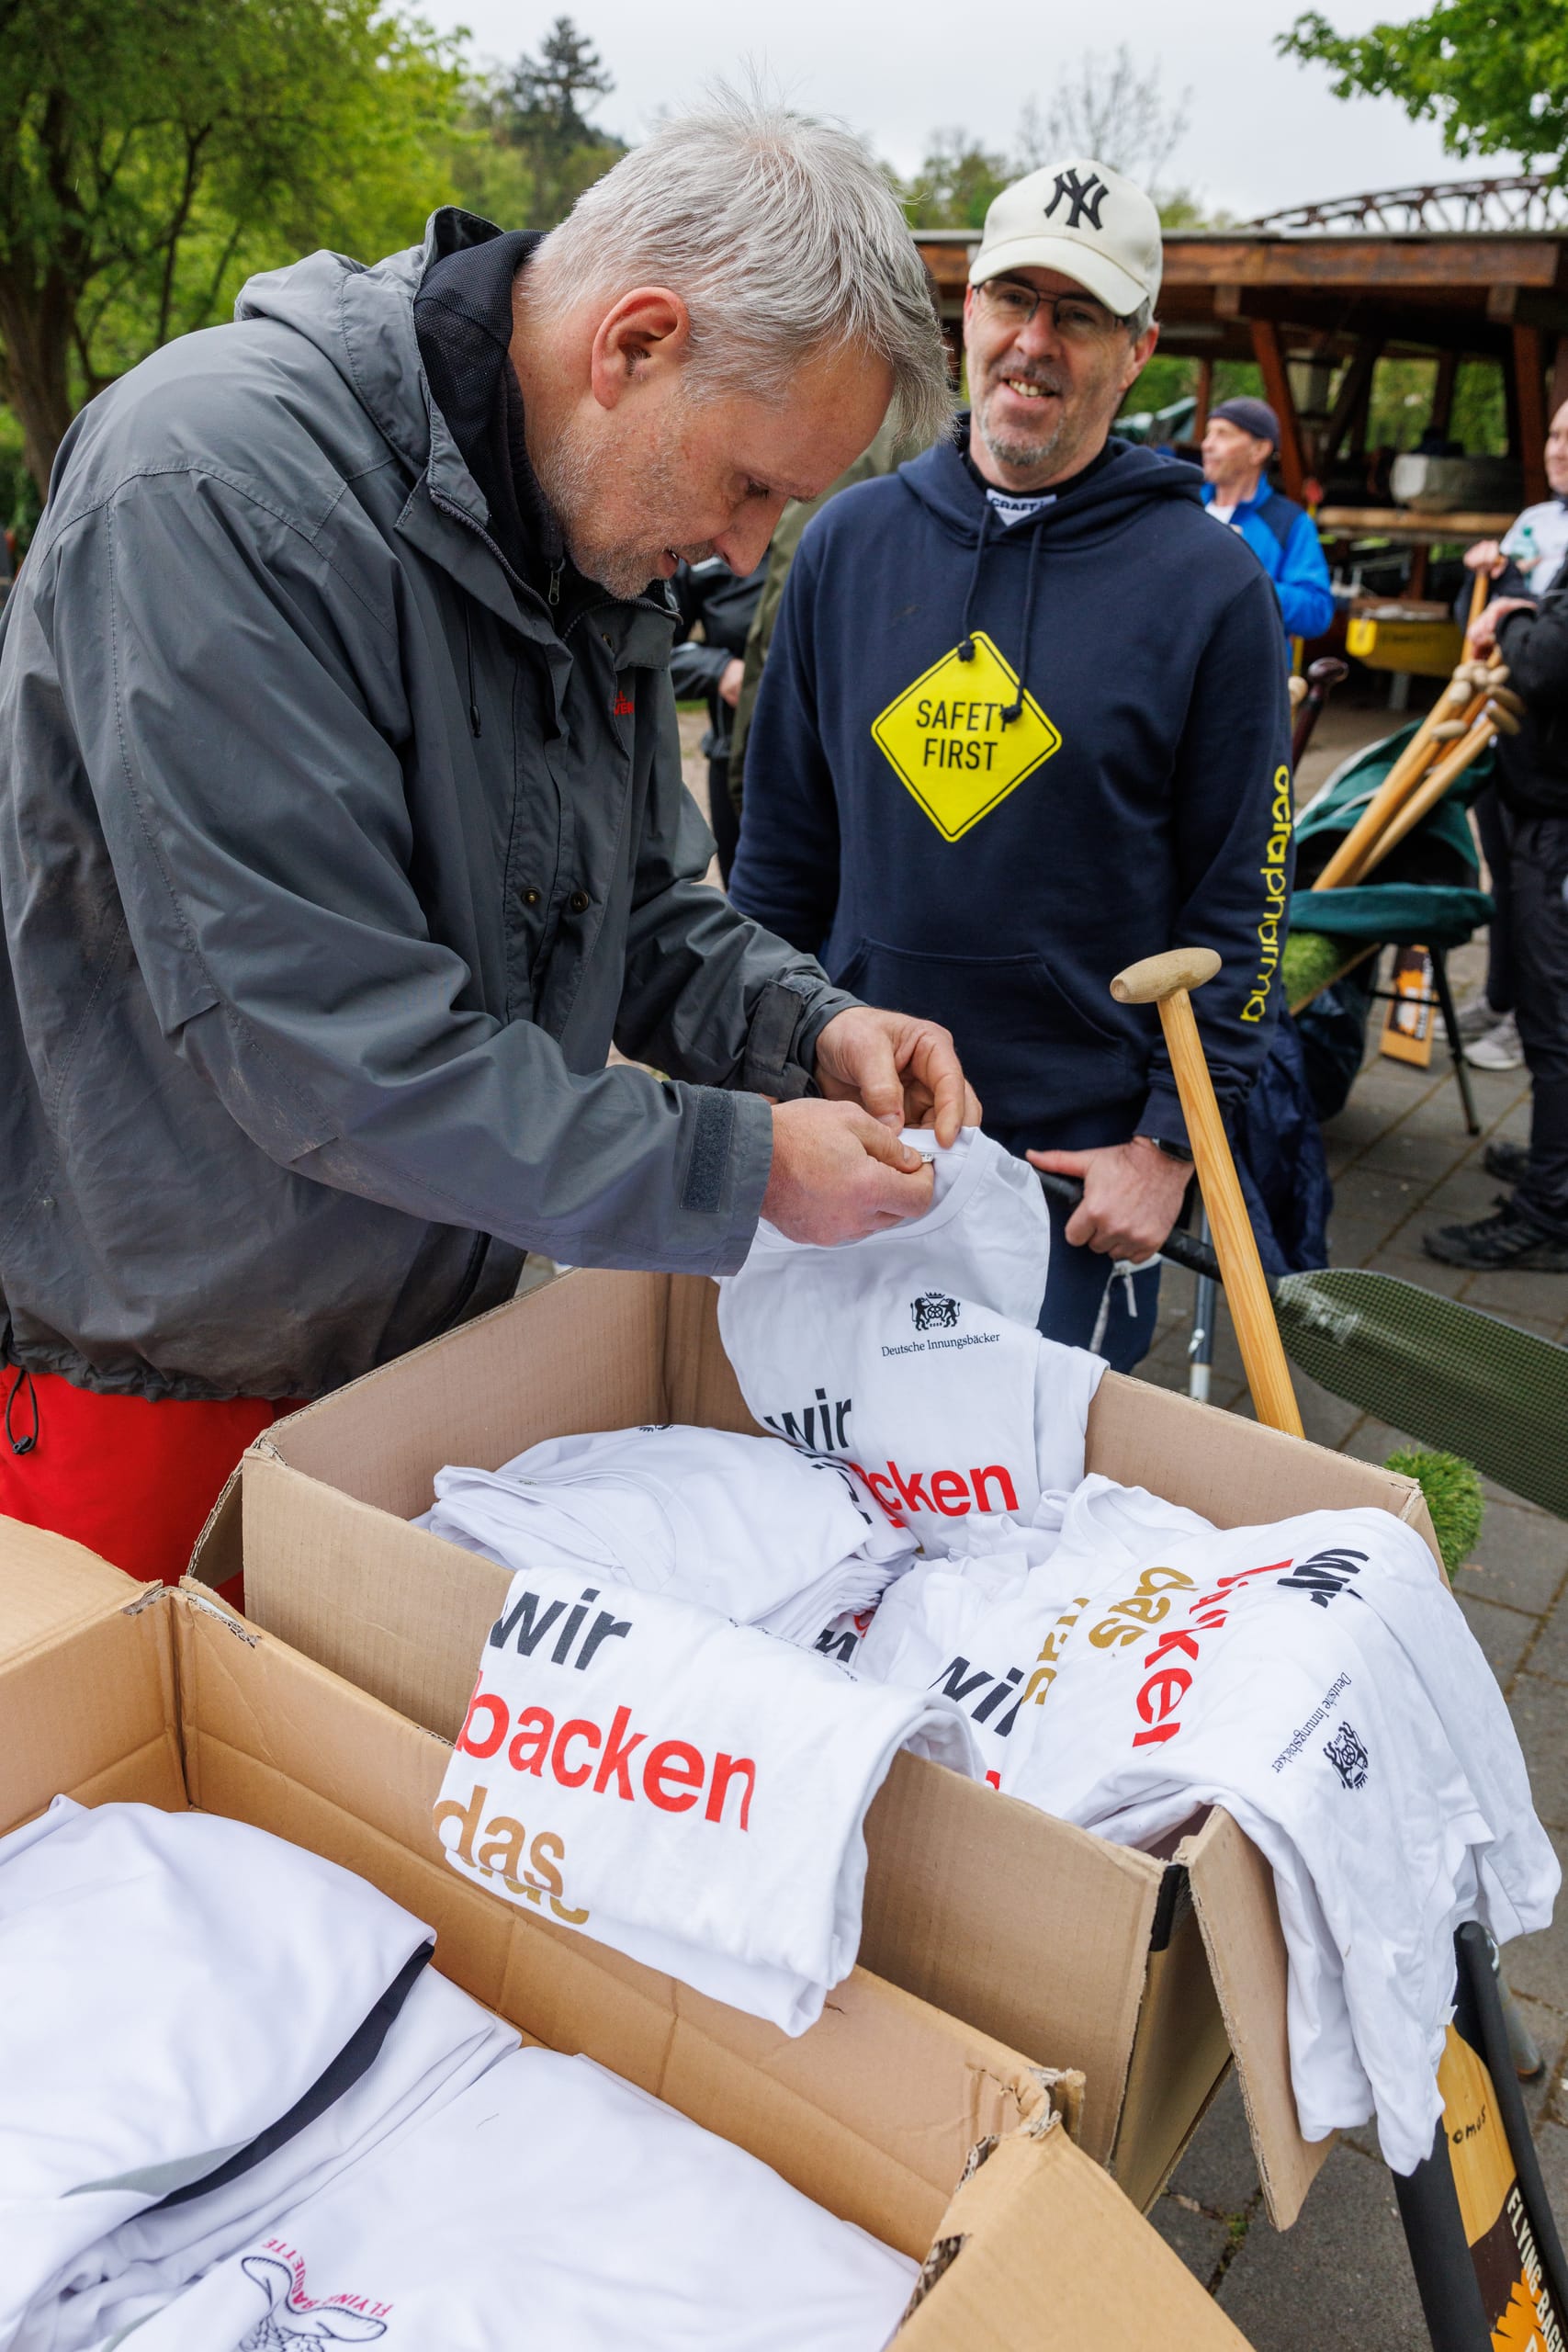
(1083, 197)
(1348, 1756)
(932, 1312)
(290, 2321)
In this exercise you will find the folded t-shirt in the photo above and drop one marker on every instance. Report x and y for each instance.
(551, 2205)
(691, 1792)
(744, 1525)
(175, 1983)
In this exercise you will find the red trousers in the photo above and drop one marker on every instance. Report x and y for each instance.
(130, 1479)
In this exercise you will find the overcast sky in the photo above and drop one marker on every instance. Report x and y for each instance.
(1264, 133)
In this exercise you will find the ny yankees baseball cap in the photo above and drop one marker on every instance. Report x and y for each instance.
(1084, 220)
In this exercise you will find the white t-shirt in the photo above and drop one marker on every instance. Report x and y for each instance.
(174, 1984)
(690, 1791)
(551, 2206)
(1317, 1678)
(744, 1525)
(1537, 543)
(988, 1625)
(439, 2042)
(914, 1353)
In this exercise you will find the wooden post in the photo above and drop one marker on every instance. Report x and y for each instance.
(1205, 396)
(1558, 376)
(1443, 393)
(1349, 410)
(1270, 355)
(1531, 407)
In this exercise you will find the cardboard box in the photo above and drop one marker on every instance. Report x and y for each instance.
(1146, 1975)
(931, 2135)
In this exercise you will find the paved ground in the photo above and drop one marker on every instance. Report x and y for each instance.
(1340, 2280)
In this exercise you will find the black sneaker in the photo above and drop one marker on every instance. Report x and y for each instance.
(1499, 1243)
(1509, 1163)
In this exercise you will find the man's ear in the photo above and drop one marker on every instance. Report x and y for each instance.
(1141, 353)
(644, 331)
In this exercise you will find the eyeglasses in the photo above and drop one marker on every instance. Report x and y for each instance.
(1073, 317)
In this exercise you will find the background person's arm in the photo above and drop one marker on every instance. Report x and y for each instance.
(1306, 600)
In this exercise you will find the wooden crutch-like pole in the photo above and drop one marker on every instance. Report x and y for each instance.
(1456, 705)
(1168, 981)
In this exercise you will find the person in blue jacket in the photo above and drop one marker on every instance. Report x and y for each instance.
(1023, 722)
(1238, 441)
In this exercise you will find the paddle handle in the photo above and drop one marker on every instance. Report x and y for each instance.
(1183, 1249)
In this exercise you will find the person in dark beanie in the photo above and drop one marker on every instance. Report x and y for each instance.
(1238, 441)
(1023, 723)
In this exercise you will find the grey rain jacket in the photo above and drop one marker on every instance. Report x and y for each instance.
(332, 861)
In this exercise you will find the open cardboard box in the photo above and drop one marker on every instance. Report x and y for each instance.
(1144, 1975)
(933, 2136)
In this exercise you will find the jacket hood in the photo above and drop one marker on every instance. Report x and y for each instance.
(941, 482)
(1081, 517)
(361, 321)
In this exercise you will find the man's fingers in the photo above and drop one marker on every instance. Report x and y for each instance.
(882, 1143)
(1061, 1163)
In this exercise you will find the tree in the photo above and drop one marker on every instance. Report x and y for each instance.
(539, 110)
(956, 182)
(1494, 75)
(152, 155)
(1105, 108)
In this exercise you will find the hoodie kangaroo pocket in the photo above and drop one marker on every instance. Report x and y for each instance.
(1031, 1048)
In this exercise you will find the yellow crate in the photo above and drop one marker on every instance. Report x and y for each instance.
(1428, 649)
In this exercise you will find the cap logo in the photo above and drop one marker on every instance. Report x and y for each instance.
(1083, 197)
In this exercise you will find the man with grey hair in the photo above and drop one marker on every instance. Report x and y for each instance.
(1023, 722)
(344, 828)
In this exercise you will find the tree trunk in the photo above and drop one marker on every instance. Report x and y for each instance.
(35, 336)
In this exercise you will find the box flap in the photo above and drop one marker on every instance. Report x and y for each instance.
(50, 1587)
(218, 1554)
(1040, 2252)
(384, 1604)
(1233, 1892)
(1228, 1468)
(585, 1352)
(1056, 1969)
(89, 1711)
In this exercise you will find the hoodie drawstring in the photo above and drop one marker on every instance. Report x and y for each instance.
(966, 643)
(1015, 710)
(468, 650)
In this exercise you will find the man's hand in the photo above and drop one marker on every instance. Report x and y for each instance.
(1132, 1195)
(1482, 637)
(1486, 556)
(729, 681)
(904, 1071)
(838, 1174)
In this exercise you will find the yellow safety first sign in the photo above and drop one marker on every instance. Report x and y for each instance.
(945, 736)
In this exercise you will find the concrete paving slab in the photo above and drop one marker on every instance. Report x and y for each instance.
(1541, 1718)
(1341, 2277)
(1218, 2171)
(1549, 1653)
(1199, 2238)
(1505, 1635)
(1522, 1558)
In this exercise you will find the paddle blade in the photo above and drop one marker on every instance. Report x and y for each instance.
(1450, 1376)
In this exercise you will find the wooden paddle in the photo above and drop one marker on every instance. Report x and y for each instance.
(1168, 981)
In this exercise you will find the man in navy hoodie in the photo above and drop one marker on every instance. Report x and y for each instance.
(1024, 721)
